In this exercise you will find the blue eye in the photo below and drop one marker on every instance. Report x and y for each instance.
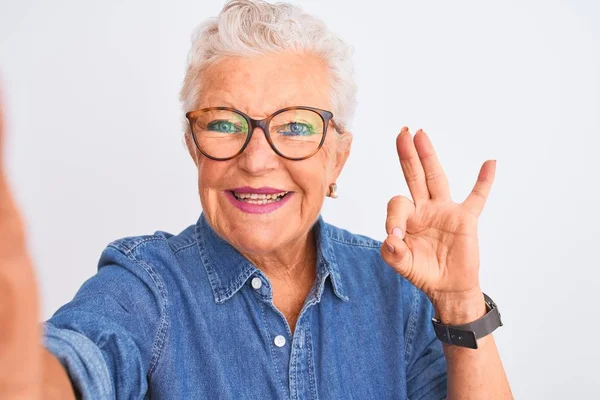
(223, 126)
(296, 129)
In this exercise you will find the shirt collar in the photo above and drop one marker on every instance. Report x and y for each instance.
(228, 269)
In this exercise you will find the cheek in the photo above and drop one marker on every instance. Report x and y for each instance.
(210, 172)
(210, 181)
(314, 174)
(326, 161)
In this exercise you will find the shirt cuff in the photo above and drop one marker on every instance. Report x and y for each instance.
(82, 359)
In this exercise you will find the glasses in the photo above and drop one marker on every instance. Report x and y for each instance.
(295, 133)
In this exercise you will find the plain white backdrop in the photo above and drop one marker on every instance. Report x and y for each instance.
(95, 148)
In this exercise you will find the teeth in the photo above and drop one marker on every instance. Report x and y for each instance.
(256, 198)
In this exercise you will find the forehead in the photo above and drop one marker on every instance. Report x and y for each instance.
(263, 84)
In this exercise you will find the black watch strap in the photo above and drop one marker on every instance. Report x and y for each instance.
(466, 335)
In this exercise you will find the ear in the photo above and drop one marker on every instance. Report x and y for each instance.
(191, 147)
(342, 152)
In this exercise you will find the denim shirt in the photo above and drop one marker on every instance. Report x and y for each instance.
(188, 317)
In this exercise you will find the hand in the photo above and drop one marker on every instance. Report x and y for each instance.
(20, 343)
(432, 241)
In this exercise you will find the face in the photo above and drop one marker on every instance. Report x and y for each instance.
(258, 87)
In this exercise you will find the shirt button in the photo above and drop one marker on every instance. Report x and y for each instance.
(256, 283)
(279, 341)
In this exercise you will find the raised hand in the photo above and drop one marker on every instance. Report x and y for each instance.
(432, 241)
(20, 336)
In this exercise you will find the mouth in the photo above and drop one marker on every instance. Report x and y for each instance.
(260, 198)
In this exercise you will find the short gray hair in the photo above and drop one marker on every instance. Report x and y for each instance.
(254, 27)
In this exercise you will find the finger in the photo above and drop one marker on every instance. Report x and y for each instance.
(397, 255)
(399, 210)
(411, 166)
(476, 200)
(436, 179)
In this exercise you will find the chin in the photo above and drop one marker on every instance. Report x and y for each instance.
(258, 233)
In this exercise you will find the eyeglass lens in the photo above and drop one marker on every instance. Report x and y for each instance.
(294, 133)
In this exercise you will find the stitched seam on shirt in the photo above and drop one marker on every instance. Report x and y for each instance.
(127, 250)
(269, 341)
(412, 326)
(311, 376)
(159, 341)
(294, 376)
(338, 287)
(238, 283)
(371, 245)
(213, 278)
(186, 246)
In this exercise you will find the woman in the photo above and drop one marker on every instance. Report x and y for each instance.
(261, 298)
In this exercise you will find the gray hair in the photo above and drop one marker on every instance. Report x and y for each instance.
(254, 27)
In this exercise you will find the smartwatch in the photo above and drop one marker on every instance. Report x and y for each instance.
(466, 335)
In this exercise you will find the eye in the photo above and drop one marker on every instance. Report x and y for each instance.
(296, 129)
(223, 126)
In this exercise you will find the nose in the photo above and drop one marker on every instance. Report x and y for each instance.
(258, 158)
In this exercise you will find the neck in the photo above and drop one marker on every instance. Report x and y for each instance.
(295, 262)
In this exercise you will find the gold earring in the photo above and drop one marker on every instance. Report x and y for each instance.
(333, 191)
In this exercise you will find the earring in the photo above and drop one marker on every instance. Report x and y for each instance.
(333, 191)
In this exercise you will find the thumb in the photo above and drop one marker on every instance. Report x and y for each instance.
(396, 253)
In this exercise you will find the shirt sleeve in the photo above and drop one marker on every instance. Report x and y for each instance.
(109, 337)
(425, 361)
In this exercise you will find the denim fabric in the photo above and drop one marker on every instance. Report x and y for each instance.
(177, 317)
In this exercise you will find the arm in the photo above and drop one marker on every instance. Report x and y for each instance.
(433, 243)
(472, 373)
(104, 336)
(109, 336)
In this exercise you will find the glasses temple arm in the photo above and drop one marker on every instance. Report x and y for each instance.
(337, 127)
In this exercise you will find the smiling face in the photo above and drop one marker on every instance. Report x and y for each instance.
(229, 190)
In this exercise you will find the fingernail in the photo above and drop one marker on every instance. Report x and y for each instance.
(397, 232)
(390, 247)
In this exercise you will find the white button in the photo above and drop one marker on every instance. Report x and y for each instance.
(279, 341)
(256, 282)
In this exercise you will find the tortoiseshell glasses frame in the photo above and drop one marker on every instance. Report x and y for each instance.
(326, 117)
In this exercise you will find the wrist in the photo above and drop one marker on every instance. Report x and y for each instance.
(453, 309)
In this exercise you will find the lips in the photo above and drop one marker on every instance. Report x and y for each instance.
(257, 200)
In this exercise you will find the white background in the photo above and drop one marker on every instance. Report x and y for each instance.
(96, 153)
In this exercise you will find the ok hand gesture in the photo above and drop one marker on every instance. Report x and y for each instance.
(432, 241)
